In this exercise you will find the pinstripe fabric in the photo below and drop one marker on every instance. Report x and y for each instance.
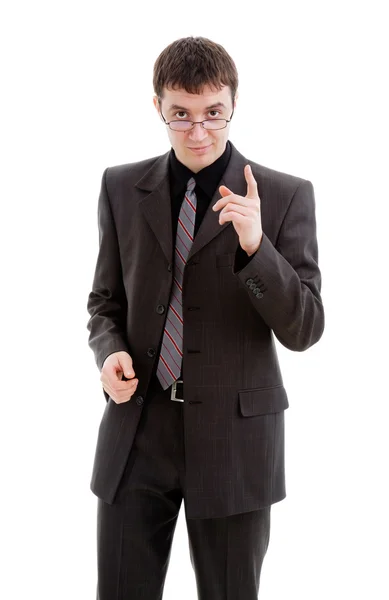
(170, 360)
(233, 417)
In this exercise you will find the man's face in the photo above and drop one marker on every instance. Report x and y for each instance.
(197, 107)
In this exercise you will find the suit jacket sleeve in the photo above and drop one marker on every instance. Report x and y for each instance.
(107, 302)
(283, 281)
(241, 258)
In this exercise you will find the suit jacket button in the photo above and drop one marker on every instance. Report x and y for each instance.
(139, 400)
(160, 309)
(150, 352)
(249, 281)
(258, 293)
(169, 267)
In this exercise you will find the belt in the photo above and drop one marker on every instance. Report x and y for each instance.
(177, 392)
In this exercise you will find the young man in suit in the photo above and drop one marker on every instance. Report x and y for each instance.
(204, 256)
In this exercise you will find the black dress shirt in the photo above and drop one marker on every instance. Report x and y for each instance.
(207, 180)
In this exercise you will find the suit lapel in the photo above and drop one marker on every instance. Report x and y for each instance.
(156, 206)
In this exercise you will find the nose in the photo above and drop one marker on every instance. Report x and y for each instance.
(198, 133)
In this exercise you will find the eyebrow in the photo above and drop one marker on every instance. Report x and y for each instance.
(177, 107)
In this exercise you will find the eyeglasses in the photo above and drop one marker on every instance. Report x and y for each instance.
(206, 124)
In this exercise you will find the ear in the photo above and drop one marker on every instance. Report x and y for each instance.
(157, 107)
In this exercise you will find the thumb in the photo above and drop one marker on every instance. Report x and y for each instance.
(126, 366)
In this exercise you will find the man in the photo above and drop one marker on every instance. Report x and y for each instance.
(204, 256)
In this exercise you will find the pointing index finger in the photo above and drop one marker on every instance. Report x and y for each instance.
(252, 187)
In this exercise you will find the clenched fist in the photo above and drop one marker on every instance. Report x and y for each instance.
(117, 365)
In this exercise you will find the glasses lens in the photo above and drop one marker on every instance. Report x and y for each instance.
(215, 124)
(208, 124)
(180, 125)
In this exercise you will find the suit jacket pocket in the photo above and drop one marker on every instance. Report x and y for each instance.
(263, 401)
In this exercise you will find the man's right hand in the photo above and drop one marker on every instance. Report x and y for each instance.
(115, 366)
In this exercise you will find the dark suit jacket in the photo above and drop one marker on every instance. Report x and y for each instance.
(233, 388)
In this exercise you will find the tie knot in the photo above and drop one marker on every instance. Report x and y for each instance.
(191, 185)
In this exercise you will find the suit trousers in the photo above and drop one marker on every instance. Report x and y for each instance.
(135, 533)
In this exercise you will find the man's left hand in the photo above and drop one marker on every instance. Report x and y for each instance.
(244, 212)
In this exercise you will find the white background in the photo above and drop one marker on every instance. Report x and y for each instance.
(76, 98)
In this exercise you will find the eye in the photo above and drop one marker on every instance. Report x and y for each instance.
(183, 112)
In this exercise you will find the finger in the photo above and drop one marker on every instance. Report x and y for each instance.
(120, 395)
(127, 378)
(124, 386)
(243, 209)
(113, 372)
(117, 385)
(119, 374)
(235, 217)
(252, 188)
(125, 396)
(225, 190)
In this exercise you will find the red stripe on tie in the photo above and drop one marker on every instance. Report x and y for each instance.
(176, 313)
(167, 366)
(178, 284)
(173, 294)
(173, 342)
(182, 258)
(167, 350)
(179, 333)
(184, 211)
(178, 268)
(189, 202)
(185, 229)
(183, 242)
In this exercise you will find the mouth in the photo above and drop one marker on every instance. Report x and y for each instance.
(200, 149)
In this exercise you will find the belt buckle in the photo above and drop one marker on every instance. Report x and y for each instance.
(174, 390)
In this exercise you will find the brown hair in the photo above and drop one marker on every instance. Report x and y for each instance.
(191, 63)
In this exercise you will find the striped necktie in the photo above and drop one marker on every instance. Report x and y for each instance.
(170, 359)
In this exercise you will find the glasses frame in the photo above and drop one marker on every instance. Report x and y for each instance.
(195, 122)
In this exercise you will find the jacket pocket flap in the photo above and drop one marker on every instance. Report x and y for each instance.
(262, 401)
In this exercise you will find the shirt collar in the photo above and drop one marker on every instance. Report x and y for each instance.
(206, 178)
